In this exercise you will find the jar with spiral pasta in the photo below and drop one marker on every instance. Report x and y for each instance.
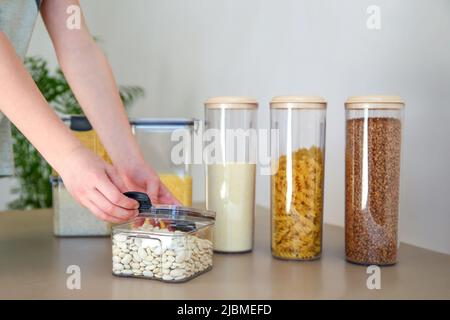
(298, 159)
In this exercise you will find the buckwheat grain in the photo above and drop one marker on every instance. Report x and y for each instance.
(372, 190)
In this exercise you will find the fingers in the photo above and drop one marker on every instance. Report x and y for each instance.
(101, 214)
(153, 190)
(110, 186)
(159, 194)
(138, 222)
(166, 197)
(110, 208)
(112, 174)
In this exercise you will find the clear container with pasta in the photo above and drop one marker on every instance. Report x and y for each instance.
(297, 181)
(83, 130)
(167, 146)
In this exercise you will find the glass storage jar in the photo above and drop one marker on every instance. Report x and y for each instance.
(155, 139)
(169, 243)
(230, 171)
(372, 178)
(82, 129)
(297, 181)
(70, 219)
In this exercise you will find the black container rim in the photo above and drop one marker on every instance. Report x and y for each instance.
(56, 179)
(173, 210)
(169, 122)
(163, 122)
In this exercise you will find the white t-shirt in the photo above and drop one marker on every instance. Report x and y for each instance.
(17, 20)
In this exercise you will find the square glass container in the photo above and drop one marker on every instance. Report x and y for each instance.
(70, 219)
(82, 129)
(169, 243)
(167, 146)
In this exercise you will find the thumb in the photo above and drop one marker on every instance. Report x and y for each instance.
(166, 197)
(153, 190)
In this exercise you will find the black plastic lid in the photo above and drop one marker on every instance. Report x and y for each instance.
(163, 122)
(80, 123)
(145, 204)
(185, 226)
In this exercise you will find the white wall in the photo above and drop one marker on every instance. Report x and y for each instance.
(185, 51)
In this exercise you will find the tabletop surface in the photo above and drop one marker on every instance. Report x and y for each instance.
(34, 263)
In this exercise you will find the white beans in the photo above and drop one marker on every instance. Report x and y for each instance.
(126, 259)
(173, 257)
(148, 274)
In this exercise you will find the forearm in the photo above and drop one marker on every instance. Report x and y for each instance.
(24, 105)
(92, 82)
(91, 79)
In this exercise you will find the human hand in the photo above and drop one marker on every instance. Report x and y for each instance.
(97, 186)
(141, 177)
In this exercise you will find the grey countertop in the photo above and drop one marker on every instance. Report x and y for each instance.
(33, 264)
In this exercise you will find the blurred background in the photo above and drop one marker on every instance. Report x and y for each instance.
(182, 52)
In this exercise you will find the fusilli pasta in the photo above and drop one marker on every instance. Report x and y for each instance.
(297, 215)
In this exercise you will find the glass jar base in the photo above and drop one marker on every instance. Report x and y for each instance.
(297, 259)
(233, 252)
(161, 279)
(363, 263)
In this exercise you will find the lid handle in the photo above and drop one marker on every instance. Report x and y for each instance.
(80, 123)
(145, 203)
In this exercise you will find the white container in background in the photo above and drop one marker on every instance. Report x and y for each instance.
(71, 219)
(230, 176)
